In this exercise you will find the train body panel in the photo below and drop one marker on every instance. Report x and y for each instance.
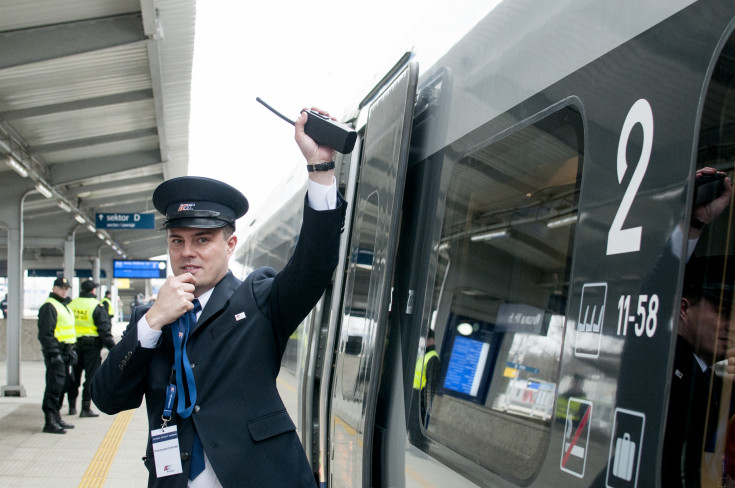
(509, 316)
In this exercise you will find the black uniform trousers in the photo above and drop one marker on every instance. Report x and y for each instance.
(58, 381)
(88, 349)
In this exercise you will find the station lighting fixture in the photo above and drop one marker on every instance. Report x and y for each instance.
(91, 228)
(17, 167)
(486, 236)
(44, 190)
(64, 206)
(562, 221)
(108, 242)
(79, 218)
(101, 236)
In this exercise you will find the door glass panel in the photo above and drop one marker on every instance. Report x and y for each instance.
(358, 293)
(699, 445)
(499, 296)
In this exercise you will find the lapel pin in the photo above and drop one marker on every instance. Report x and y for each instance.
(240, 316)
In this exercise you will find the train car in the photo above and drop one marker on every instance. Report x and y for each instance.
(509, 302)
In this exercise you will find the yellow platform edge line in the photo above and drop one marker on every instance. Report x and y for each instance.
(96, 473)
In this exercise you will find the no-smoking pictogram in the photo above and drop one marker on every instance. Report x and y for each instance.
(576, 436)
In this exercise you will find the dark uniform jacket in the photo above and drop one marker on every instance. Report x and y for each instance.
(235, 349)
(47, 325)
(686, 433)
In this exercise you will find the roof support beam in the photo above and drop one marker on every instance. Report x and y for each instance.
(73, 171)
(93, 141)
(119, 98)
(37, 44)
(153, 30)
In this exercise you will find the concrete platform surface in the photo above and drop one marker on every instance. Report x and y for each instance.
(105, 451)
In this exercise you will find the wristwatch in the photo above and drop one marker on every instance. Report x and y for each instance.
(313, 168)
(697, 224)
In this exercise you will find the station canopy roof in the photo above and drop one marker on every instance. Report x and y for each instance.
(94, 110)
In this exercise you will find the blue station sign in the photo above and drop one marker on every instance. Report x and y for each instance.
(124, 221)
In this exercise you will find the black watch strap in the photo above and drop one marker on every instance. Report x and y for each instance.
(697, 224)
(320, 167)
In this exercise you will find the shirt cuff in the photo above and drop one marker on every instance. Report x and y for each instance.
(147, 337)
(322, 197)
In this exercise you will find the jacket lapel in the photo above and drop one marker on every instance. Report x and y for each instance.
(220, 296)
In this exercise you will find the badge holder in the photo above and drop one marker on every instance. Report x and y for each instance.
(166, 439)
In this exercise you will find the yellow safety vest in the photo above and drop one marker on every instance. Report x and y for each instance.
(83, 309)
(64, 331)
(108, 306)
(419, 375)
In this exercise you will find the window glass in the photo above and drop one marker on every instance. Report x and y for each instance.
(488, 371)
(359, 294)
(700, 423)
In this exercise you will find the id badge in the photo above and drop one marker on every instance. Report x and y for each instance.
(166, 451)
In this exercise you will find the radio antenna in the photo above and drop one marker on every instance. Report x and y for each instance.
(259, 100)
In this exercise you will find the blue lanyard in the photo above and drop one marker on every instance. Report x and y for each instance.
(181, 361)
(169, 404)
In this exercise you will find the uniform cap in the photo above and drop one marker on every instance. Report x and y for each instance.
(195, 201)
(88, 286)
(62, 282)
(713, 276)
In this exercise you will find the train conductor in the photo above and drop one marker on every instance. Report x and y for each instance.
(207, 353)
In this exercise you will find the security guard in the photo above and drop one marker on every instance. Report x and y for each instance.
(107, 303)
(426, 375)
(207, 352)
(57, 336)
(92, 324)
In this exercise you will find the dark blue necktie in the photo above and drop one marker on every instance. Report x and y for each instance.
(184, 371)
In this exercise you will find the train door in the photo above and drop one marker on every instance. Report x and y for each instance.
(363, 321)
(699, 445)
(490, 305)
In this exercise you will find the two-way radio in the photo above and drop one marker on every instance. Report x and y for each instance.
(323, 130)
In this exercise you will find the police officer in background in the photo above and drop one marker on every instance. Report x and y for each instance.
(92, 324)
(57, 336)
(107, 303)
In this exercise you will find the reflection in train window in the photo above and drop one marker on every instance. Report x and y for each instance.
(698, 446)
(500, 293)
(360, 295)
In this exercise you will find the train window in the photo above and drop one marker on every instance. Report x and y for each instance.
(358, 292)
(698, 448)
(499, 296)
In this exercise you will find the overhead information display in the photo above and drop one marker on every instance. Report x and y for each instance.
(139, 269)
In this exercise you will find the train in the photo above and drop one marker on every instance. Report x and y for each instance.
(506, 305)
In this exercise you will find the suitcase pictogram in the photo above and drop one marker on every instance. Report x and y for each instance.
(624, 457)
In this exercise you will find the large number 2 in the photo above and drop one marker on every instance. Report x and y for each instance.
(621, 240)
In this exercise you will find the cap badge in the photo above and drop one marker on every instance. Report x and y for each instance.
(184, 207)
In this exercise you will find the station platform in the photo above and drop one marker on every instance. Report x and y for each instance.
(105, 451)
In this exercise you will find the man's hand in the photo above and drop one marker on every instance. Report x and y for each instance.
(730, 371)
(174, 300)
(72, 357)
(313, 152)
(710, 211)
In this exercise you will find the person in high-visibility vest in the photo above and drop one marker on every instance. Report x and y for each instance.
(107, 303)
(426, 375)
(92, 324)
(57, 336)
